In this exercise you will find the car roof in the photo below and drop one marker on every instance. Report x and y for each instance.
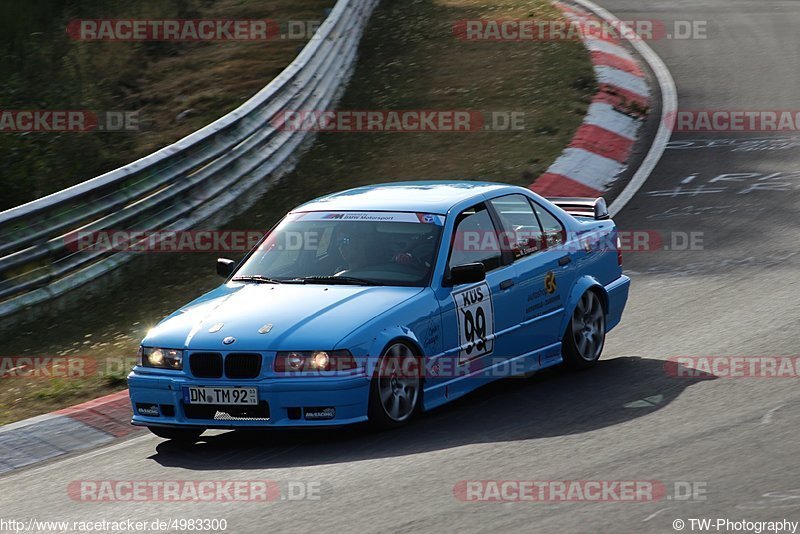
(422, 196)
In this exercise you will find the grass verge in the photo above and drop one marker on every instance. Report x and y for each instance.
(173, 87)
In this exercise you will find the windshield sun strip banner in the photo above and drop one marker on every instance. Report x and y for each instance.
(370, 216)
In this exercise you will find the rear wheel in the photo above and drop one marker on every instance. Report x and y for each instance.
(395, 390)
(182, 435)
(586, 333)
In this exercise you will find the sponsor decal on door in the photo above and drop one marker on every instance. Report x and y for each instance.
(475, 313)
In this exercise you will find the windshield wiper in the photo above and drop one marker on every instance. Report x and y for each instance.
(258, 279)
(350, 280)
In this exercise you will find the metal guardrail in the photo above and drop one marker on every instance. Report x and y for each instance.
(181, 184)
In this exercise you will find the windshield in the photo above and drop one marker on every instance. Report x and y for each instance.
(382, 248)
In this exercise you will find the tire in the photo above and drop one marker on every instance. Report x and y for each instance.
(181, 435)
(395, 392)
(586, 333)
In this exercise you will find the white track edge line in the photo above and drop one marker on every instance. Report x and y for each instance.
(669, 107)
(75, 456)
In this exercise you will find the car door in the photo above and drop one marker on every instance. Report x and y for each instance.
(558, 259)
(477, 318)
(543, 270)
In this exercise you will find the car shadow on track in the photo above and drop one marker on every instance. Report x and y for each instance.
(551, 403)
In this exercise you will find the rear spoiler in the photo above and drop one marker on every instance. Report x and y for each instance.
(583, 206)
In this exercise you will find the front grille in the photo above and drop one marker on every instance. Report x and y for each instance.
(206, 364)
(221, 412)
(242, 365)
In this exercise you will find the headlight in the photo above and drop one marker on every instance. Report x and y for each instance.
(161, 358)
(318, 360)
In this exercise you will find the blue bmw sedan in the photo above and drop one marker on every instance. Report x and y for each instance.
(380, 302)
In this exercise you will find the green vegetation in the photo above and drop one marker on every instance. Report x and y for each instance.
(409, 60)
(174, 87)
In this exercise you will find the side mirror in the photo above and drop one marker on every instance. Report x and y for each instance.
(469, 273)
(225, 267)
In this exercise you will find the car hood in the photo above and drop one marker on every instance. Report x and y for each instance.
(302, 317)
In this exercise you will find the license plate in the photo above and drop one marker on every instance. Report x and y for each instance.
(220, 395)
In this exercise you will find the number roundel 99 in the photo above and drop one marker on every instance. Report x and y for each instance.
(475, 314)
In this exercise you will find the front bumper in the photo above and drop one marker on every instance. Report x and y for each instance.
(287, 399)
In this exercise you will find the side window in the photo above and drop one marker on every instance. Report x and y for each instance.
(552, 227)
(475, 239)
(522, 233)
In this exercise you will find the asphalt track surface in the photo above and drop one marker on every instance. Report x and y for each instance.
(626, 419)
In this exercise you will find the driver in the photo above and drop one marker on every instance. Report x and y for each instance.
(357, 249)
(353, 247)
(418, 254)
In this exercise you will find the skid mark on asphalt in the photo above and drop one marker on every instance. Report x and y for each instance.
(651, 516)
(677, 212)
(767, 418)
(779, 499)
(760, 144)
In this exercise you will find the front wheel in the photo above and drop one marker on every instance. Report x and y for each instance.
(395, 390)
(181, 435)
(586, 333)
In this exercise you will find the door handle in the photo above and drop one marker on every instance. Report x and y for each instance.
(564, 260)
(505, 284)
